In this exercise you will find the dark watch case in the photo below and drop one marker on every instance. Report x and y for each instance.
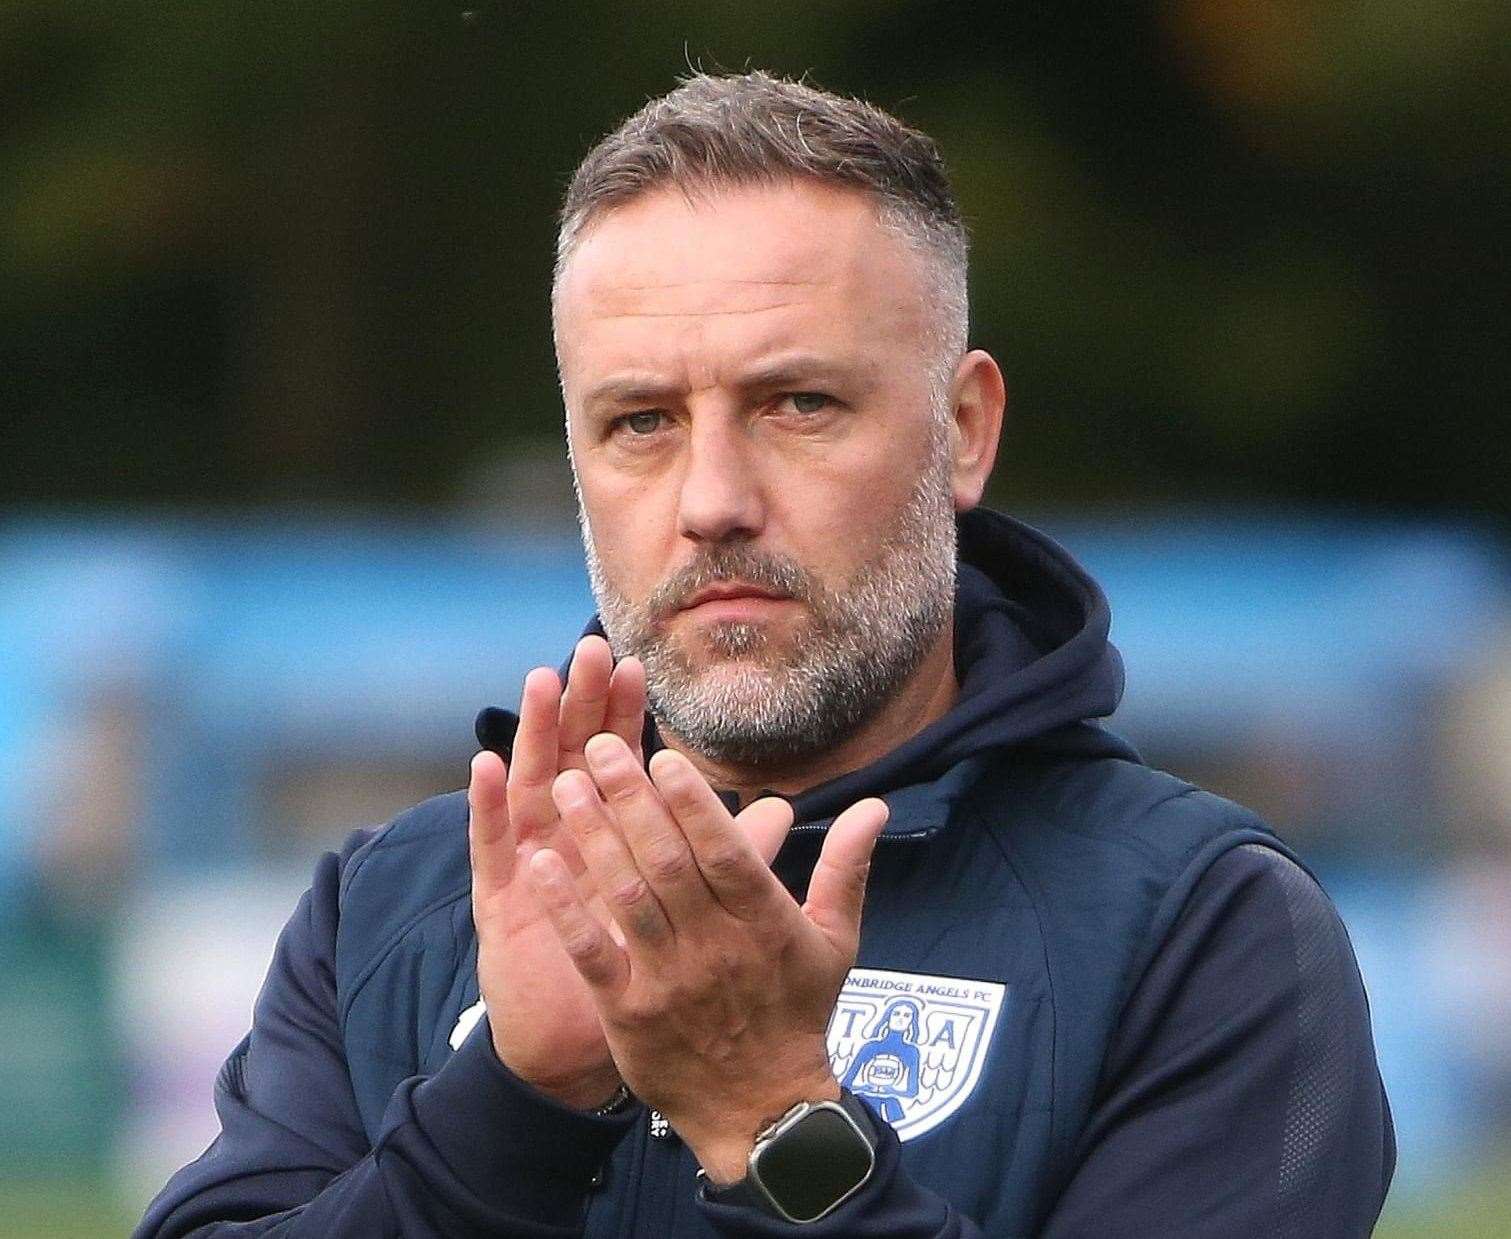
(809, 1162)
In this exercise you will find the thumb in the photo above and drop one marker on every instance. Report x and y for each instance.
(765, 822)
(837, 889)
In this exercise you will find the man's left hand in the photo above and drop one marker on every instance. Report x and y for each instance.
(716, 1005)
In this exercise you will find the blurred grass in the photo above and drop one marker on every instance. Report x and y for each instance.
(62, 1208)
(1479, 1208)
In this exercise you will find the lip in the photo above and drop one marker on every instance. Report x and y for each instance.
(732, 591)
(735, 609)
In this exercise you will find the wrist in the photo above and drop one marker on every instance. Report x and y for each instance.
(726, 1162)
(723, 1151)
(592, 1093)
(806, 1164)
(591, 1089)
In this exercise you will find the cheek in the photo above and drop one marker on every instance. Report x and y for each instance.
(845, 512)
(629, 532)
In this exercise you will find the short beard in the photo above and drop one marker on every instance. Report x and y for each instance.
(856, 647)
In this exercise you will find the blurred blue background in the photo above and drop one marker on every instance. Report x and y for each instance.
(282, 501)
(194, 709)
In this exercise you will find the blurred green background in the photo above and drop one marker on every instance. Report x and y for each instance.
(293, 259)
(1226, 248)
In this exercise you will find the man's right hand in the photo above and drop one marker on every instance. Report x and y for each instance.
(545, 1026)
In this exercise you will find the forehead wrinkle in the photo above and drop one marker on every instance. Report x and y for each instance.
(695, 298)
(841, 278)
(629, 285)
(760, 309)
(843, 219)
(766, 369)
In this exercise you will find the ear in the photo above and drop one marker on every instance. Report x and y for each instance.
(980, 400)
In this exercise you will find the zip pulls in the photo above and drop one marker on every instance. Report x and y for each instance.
(731, 802)
(813, 828)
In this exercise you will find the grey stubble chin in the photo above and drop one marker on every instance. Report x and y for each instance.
(744, 701)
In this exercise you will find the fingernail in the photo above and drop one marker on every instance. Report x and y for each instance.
(667, 764)
(605, 750)
(567, 789)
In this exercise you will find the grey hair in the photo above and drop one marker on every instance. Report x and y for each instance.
(716, 132)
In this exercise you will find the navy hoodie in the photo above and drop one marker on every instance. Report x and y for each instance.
(1090, 999)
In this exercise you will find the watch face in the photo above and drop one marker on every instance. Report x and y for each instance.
(814, 1164)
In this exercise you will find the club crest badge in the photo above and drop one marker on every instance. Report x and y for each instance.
(912, 1045)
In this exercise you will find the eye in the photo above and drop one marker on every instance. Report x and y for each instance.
(642, 422)
(809, 401)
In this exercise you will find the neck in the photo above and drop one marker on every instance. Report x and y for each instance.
(925, 696)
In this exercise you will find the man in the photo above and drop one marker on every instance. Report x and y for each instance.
(1066, 994)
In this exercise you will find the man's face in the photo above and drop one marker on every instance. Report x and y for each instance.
(762, 459)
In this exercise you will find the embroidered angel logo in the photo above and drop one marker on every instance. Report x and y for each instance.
(886, 1069)
(913, 1046)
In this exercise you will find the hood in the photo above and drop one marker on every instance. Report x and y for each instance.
(1031, 655)
(1032, 658)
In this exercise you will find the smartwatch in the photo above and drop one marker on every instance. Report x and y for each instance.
(807, 1163)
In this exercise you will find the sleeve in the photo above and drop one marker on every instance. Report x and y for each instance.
(1240, 1095)
(468, 1151)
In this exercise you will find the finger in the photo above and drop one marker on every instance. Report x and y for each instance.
(625, 713)
(534, 757)
(611, 867)
(650, 827)
(599, 961)
(490, 837)
(586, 698)
(766, 823)
(728, 861)
(837, 889)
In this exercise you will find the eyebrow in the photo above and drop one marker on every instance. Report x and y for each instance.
(629, 389)
(799, 368)
(791, 370)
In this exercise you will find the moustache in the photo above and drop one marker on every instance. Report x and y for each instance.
(776, 573)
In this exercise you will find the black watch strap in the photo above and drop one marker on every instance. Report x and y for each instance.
(749, 1193)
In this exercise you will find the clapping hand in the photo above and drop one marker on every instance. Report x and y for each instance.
(544, 1023)
(712, 986)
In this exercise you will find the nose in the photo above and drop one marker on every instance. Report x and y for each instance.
(721, 496)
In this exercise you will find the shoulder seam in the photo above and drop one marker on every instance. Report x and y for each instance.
(388, 947)
(349, 876)
(1185, 880)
